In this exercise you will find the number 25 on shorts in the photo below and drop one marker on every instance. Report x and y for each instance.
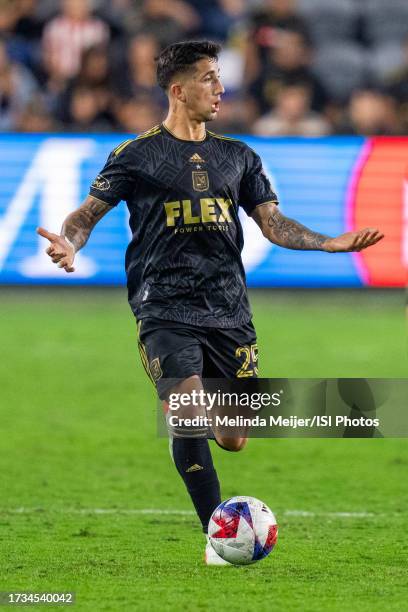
(249, 367)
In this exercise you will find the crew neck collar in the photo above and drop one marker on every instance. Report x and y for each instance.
(166, 129)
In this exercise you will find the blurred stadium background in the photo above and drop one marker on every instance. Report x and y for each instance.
(307, 67)
(76, 410)
(291, 68)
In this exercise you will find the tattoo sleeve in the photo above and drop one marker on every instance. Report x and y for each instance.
(286, 232)
(78, 226)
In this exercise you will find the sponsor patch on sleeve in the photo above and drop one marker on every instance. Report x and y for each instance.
(101, 183)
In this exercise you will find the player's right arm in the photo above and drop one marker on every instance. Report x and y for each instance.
(113, 184)
(75, 232)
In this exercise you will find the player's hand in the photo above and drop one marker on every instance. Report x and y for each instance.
(353, 241)
(61, 252)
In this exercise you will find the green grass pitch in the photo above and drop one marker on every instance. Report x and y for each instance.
(85, 480)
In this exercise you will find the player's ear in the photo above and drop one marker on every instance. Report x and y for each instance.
(177, 92)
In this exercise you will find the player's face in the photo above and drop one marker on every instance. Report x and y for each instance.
(203, 91)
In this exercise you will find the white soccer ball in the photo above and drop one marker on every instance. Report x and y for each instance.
(242, 530)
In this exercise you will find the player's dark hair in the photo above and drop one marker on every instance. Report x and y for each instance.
(180, 57)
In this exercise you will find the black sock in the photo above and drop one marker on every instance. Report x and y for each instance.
(192, 457)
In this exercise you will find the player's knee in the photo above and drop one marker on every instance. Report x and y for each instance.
(186, 419)
(233, 445)
(187, 385)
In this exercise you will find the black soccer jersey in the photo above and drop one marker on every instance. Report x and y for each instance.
(184, 260)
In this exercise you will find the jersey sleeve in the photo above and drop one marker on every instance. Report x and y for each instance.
(116, 180)
(255, 187)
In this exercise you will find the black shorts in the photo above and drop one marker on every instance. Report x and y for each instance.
(172, 351)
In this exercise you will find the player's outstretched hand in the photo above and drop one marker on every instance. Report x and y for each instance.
(60, 251)
(353, 241)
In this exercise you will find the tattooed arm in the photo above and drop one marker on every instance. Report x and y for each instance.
(78, 226)
(75, 232)
(293, 235)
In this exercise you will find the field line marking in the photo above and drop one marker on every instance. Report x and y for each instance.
(176, 512)
(305, 513)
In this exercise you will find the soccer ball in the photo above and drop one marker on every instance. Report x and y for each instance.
(242, 530)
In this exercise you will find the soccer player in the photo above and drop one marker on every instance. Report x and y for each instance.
(183, 186)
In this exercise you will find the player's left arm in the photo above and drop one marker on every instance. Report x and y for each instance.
(291, 234)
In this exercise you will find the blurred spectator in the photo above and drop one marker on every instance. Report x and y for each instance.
(292, 115)
(65, 38)
(94, 75)
(9, 14)
(138, 76)
(264, 22)
(17, 86)
(217, 17)
(168, 20)
(236, 115)
(35, 117)
(289, 59)
(28, 25)
(95, 69)
(85, 113)
(371, 113)
(136, 115)
(24, 45)
(398, 89)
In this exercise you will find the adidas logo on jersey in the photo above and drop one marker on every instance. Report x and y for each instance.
(196, 159)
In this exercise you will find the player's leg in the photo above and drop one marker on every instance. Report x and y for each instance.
(193, 460)
(172, 355)
(192, 456)
(229, 354)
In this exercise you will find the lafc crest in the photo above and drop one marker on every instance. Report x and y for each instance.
(200, 180)
(155, 369)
